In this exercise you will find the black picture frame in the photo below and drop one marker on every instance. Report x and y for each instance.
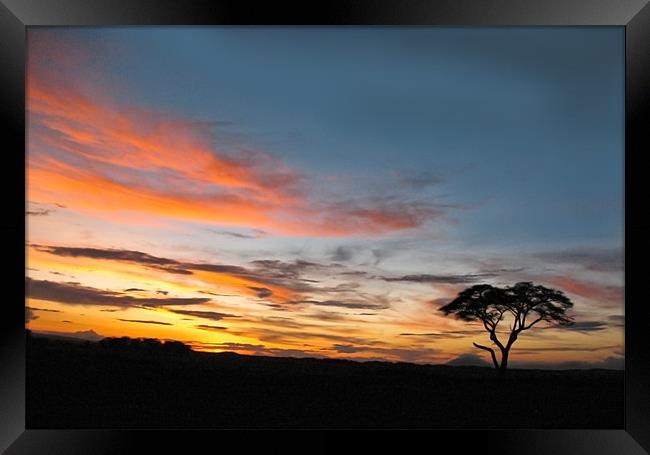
(634, 15)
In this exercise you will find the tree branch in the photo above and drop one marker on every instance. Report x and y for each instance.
(493, 337)
(512, 338)
(491, 351)
(523, 319)
(488, 325)
(533, 323)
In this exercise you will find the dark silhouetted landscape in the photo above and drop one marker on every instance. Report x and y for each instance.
(124, 383)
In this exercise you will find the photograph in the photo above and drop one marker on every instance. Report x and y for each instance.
(237, 227)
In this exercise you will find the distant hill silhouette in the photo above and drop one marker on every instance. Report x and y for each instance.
(126, 383)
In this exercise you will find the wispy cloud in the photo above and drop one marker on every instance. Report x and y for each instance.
(418, 179)
(263, 278)
(75, 294)
(441, 279)
(617, 320)
(48, 310)
(254, 234)
(41, 209)
(588, 326)
(212, 315)
(444, 335)
(606, 295)
(137, 257)
(211, 327)
(347, 348)
(140, 321)
(342, 254)
(29, 314)
(38, 212)
(594, 259)
(262, 292)
(351, 304)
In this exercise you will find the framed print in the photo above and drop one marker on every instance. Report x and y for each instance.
(363, 215)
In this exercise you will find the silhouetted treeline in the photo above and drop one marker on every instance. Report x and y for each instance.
(127, 383)
(146, 346)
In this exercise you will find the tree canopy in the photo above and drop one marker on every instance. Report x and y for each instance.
(526, 304)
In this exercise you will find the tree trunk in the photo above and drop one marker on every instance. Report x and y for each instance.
(504, 360)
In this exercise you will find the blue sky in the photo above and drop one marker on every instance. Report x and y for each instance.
(529, 120)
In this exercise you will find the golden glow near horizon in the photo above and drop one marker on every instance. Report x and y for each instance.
(411, 329)
(139, 225)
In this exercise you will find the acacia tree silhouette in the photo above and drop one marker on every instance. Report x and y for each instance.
(525, 303)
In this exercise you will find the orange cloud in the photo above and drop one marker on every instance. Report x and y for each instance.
(93, 154)
(137, 139)
(230, 278)
(246, 286)
(591, 291)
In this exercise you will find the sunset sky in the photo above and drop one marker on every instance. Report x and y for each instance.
(323, 191)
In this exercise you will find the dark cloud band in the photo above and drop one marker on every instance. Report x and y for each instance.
(75, 294)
